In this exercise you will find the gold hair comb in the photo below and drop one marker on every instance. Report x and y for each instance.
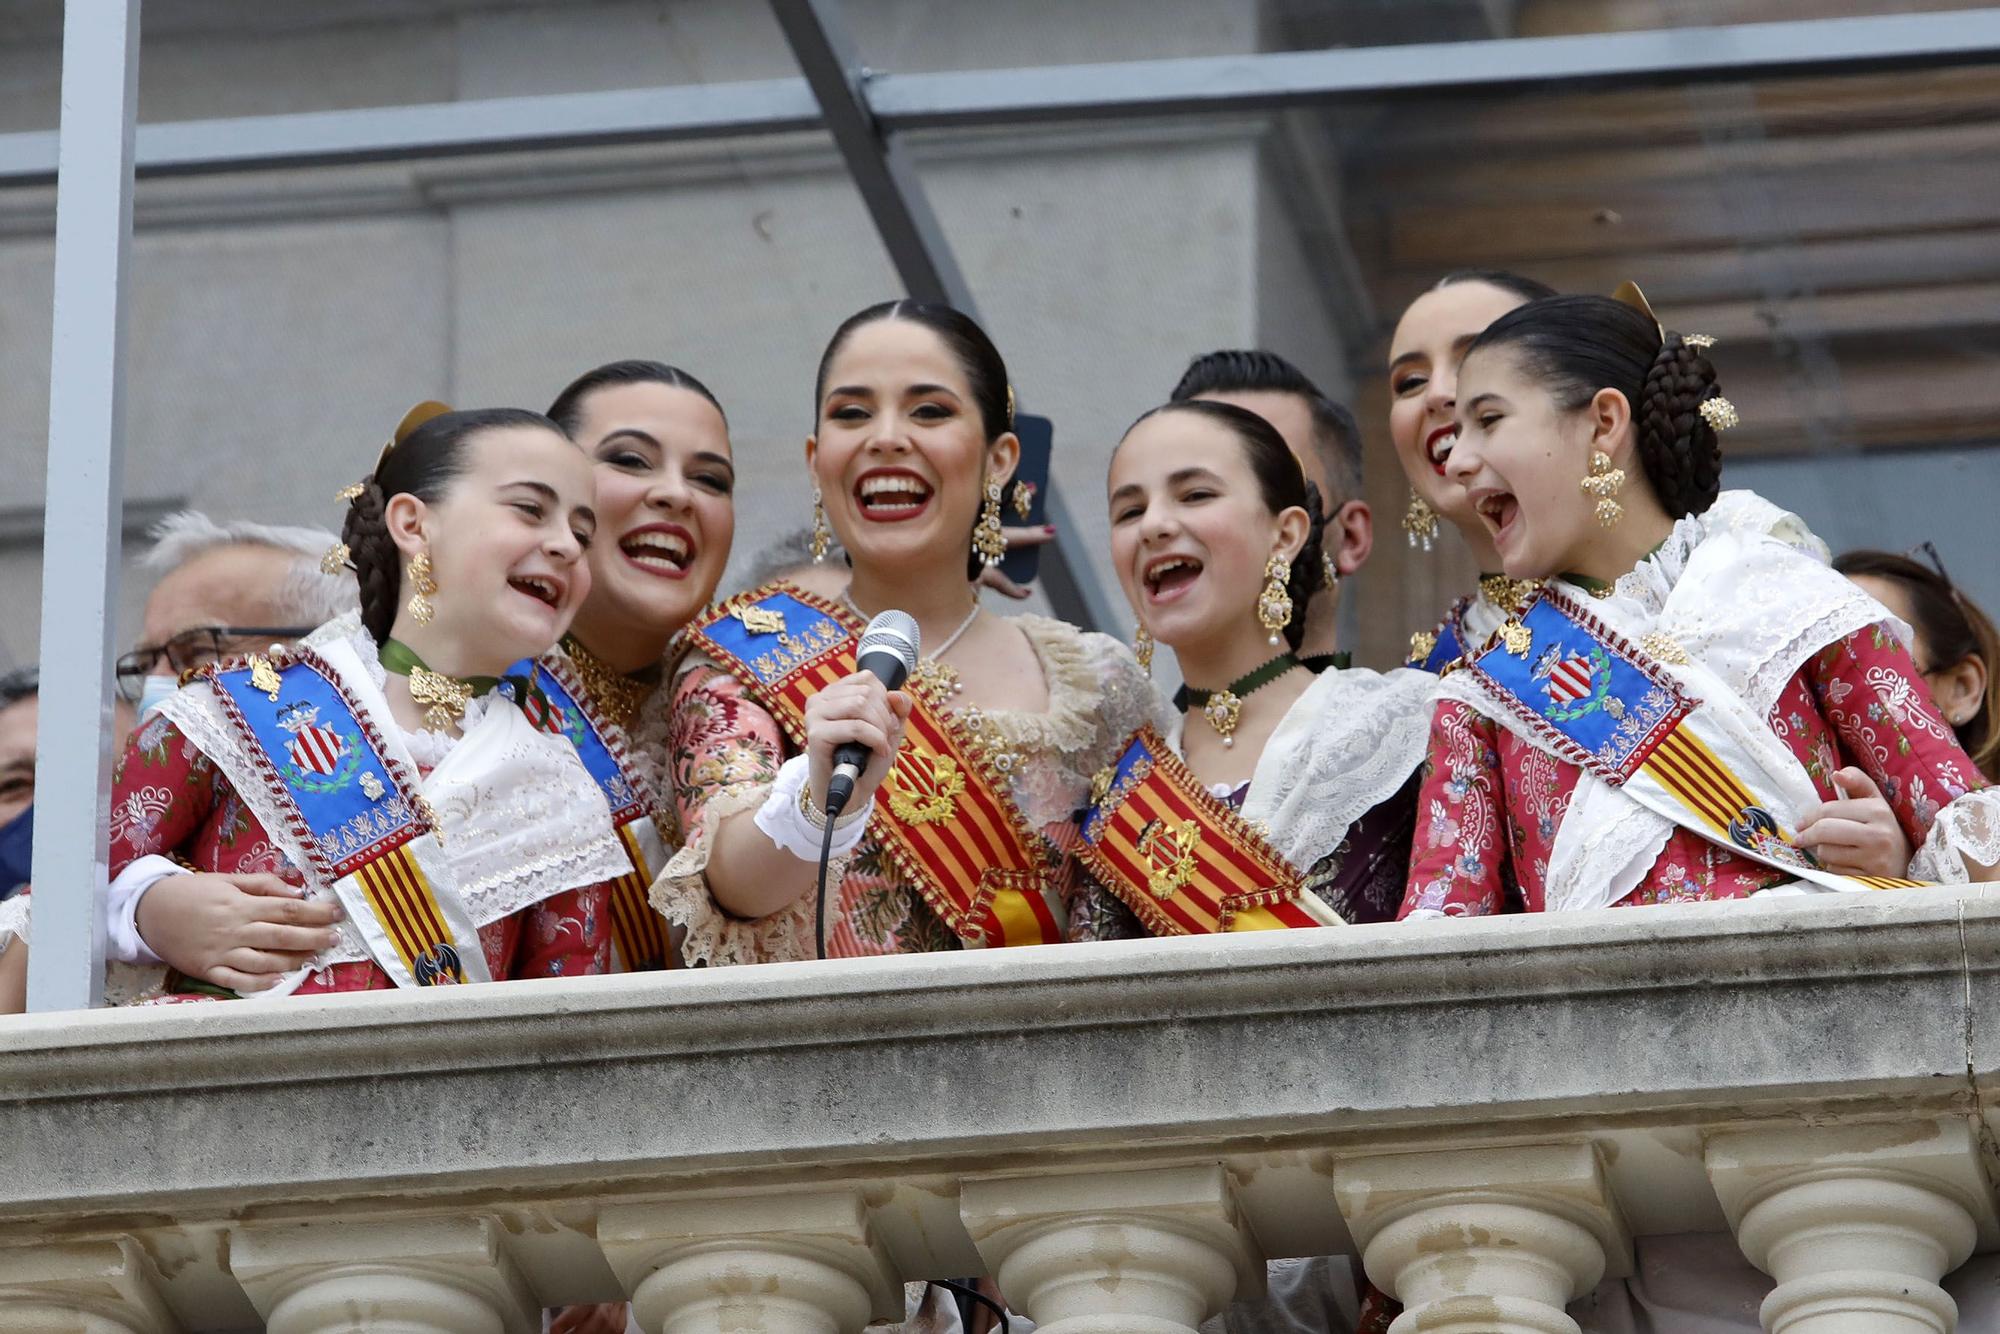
(1629, 294)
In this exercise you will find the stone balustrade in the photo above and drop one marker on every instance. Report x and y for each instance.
(1495, 1115)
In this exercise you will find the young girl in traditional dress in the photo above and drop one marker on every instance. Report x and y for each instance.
(1278, 798)
(1692, 707)
(403, 761)
(971, 841)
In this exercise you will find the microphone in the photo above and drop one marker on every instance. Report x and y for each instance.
(889, 648)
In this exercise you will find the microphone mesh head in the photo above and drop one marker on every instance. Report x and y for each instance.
(893, 632)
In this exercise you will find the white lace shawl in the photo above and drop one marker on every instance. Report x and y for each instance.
(1098, 697)
(1346, 745)
(520, 819)
(13, 920)
(1745, 590)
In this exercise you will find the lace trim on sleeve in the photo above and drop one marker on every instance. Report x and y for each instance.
(1968, 828)
(13, 920)
(713, 936)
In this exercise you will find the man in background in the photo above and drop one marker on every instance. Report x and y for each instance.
(1325, 440)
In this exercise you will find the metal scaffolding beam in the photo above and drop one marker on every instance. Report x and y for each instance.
(86, 483)
(1207, 85)
(895, 198)
(1214, 85)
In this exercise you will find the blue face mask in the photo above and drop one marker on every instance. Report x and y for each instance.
(17, 852)
(155, 693)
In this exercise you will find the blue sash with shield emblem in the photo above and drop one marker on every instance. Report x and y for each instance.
(1601, 703)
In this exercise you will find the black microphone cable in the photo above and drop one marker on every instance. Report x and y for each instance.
(833, 805)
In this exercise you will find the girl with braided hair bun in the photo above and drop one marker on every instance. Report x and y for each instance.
(1694, 706)
(1216, 537)
(402, 762)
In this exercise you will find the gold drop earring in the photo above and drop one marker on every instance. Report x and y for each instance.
(1274, 604)
(1420, 521)
(1604, 482)
(422, 585)
(822, 536)
(987, 538)
(1142, 648)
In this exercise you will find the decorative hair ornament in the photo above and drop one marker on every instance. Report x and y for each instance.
(1702, 341)
(349, 494)
(1604, 482)
(1274, 604)
(336, 559)
(1420, 521)
(1010, 407)
(1629, 294)
(1719, 413)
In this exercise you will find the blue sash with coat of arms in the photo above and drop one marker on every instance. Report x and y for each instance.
(365, 829)
(1605, 705)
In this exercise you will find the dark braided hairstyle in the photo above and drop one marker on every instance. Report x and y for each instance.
(1578, 345)
(1281, 483)
(985, 370)
(422, 463)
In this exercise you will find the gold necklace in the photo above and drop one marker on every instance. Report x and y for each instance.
(618, 695)
(1509, 595)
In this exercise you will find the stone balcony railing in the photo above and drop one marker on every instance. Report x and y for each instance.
(1490, 1111)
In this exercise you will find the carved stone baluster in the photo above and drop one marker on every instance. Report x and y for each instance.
(94, 1287)
(803, 1262)
(410, 1276)
(1484, 1241)
(1856, 1223)
(1143, 1252)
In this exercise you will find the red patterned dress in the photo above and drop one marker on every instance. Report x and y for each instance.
(1491, 803)
(170, 799)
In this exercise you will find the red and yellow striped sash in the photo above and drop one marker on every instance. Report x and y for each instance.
(1183, 861)
(944, 814)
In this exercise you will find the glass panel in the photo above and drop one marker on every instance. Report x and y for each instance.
(1836, 234)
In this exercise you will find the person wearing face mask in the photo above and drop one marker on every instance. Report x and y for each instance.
(225, 588)
(1692, 707)
(994, 740)
(659, 444)
(1305, 778)
(393, 762)
(19, 706)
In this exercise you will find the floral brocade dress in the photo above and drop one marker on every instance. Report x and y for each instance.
(172, 799)
(1493, 804)
(725, 750)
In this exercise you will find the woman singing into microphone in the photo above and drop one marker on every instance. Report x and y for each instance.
(967, 841)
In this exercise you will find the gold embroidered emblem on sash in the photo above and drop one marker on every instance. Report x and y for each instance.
(924, 788)
(1169, 853)
(761, 620)
(1422, 644)
(1518, 638)
(264, 677)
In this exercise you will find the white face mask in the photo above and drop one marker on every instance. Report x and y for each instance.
(155, 693)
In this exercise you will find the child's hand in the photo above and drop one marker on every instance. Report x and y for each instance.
(1857, 834)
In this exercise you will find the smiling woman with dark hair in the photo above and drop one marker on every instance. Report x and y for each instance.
(969, 843)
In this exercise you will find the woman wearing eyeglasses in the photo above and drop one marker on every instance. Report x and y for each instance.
(1956, 647)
